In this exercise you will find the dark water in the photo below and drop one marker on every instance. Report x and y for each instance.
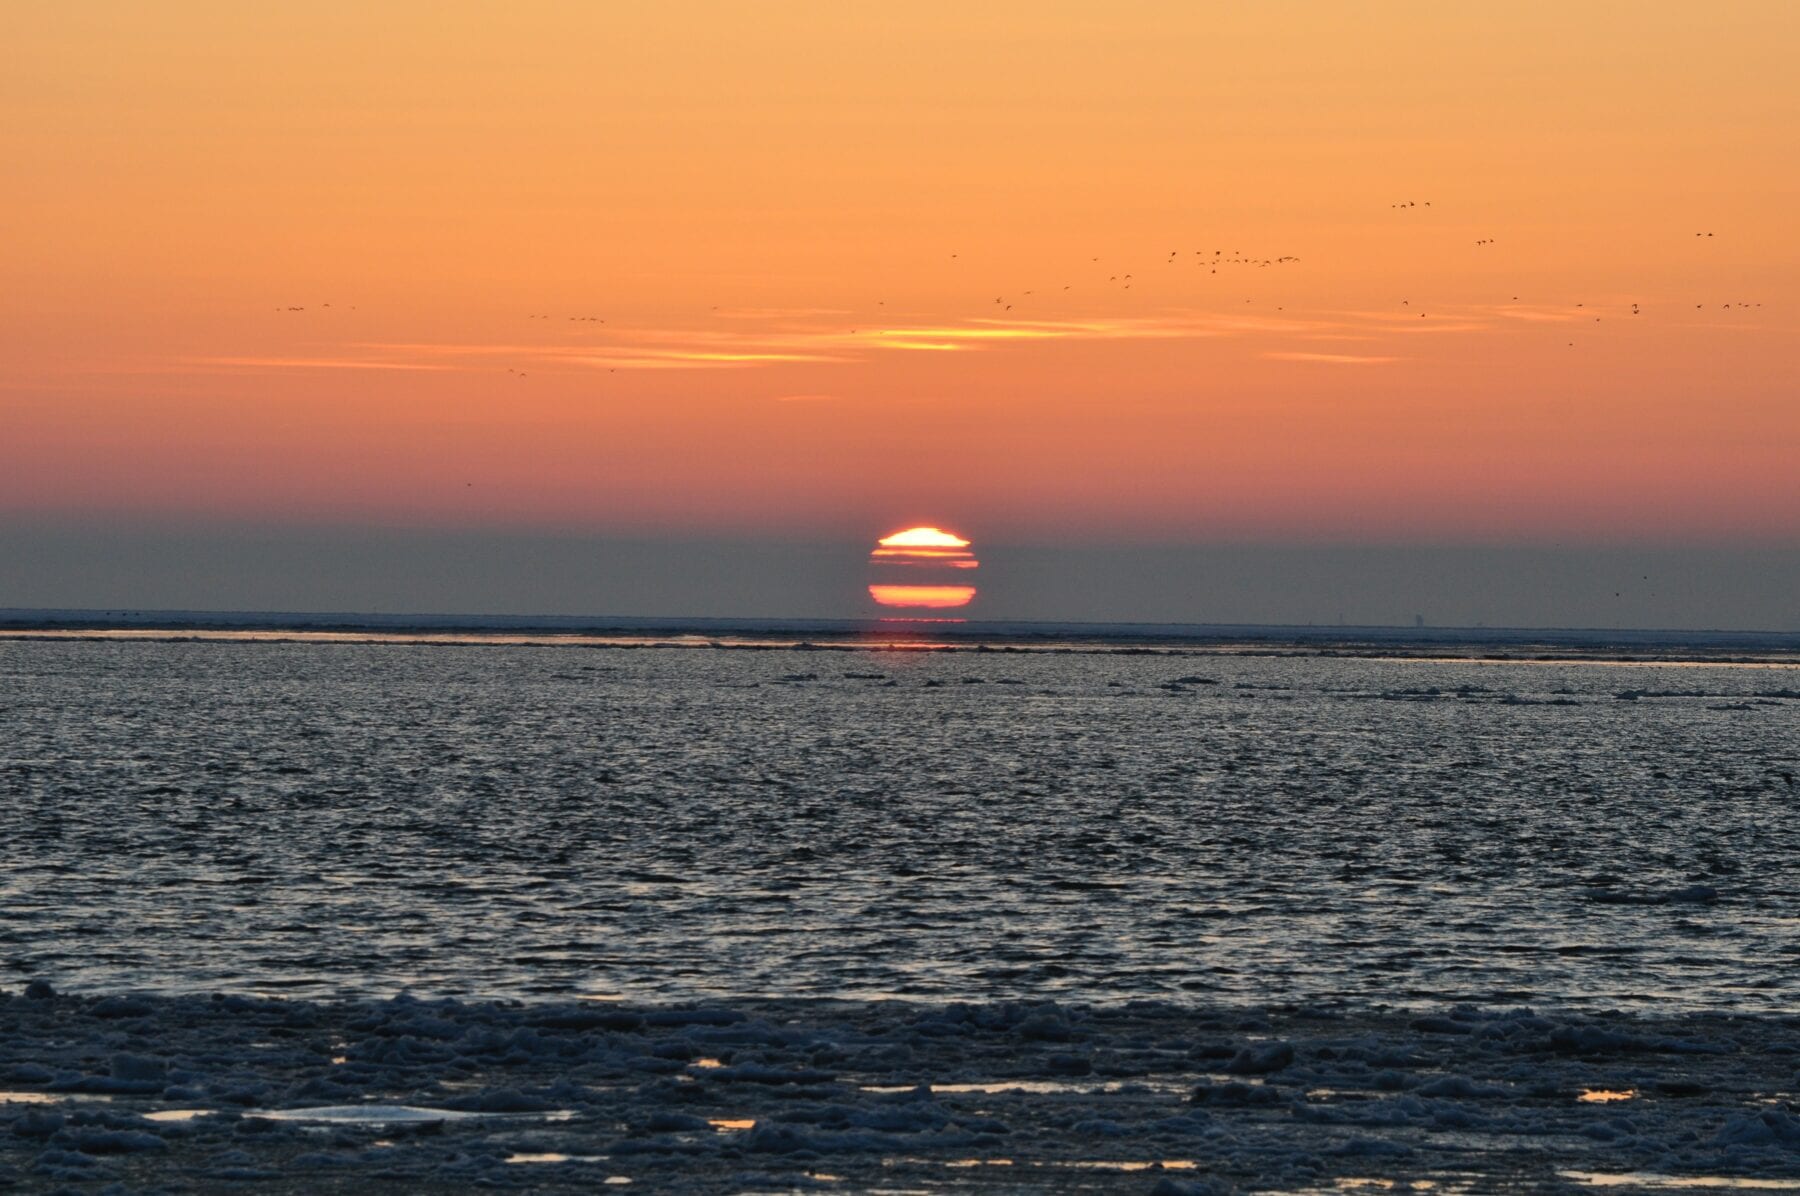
(327, 818)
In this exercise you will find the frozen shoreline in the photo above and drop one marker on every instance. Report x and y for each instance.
(775, 1096)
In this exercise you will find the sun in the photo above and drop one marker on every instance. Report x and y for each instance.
(922, 597)
(920, 567)
(923, 537)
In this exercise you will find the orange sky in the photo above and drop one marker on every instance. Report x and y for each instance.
(865, 266)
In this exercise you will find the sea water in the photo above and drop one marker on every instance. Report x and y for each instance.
(656, 824)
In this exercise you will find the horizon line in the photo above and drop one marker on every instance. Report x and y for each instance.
(26, 619)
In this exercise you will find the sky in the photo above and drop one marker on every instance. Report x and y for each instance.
(1179, 293)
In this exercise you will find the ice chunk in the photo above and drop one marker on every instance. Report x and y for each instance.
(1261, 1059)
(1776, 1127)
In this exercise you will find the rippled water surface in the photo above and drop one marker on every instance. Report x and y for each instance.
(656, 823)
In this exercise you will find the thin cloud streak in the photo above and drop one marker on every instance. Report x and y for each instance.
(309, 363)
(1544, 315)
(677, 360)
(1330, 358)
(777, 313)
(801, 337)
(710, 352)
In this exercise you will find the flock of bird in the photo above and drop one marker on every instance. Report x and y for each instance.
(1212, 262)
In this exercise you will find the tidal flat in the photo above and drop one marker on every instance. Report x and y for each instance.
(389, 916)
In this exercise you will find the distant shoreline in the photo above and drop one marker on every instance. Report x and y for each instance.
(1670, 646)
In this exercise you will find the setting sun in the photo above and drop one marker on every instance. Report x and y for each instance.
(923, 537)
(927, 554)
(928, 597)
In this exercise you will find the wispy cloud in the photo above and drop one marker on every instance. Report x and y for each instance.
(703, 351)
(777, 313)
(1330, 358)
(820, 341)
(235, 364)
(1538, 314)
(751, 338)
(1412, 321)
(680, 359)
